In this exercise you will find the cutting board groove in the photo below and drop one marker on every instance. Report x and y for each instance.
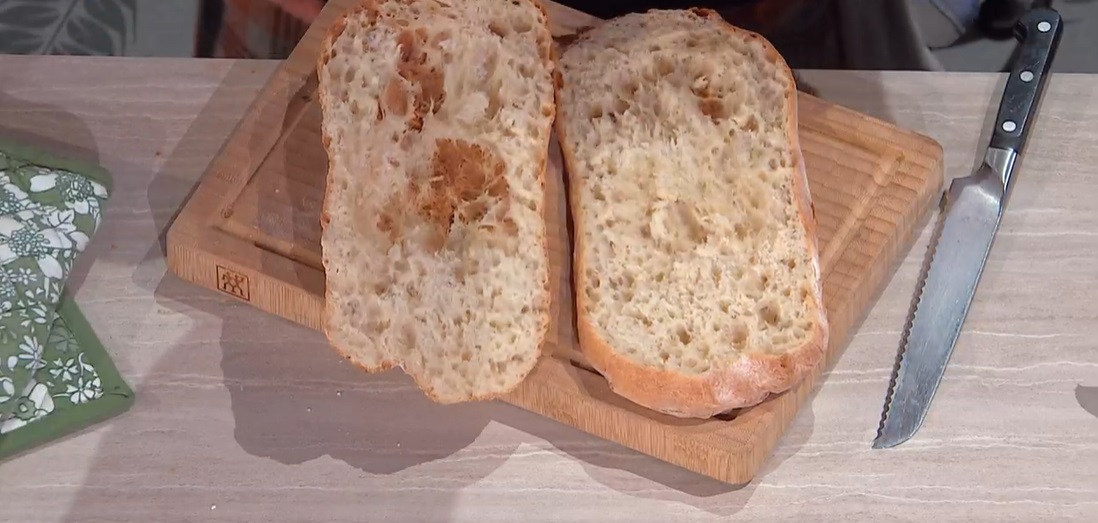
(252, 230)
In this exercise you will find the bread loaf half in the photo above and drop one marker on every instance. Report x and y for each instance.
(436, 121)
(696, 264)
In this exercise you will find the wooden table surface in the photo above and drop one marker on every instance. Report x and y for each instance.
(244, 417)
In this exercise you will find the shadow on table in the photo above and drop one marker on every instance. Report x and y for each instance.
(77, 142)
(295, 401)
(65, 135)
(59, 132)
(62, 134)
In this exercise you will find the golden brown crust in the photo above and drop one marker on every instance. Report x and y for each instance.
(750, 379)
(548, 55)
(371, 7)
(333, 33)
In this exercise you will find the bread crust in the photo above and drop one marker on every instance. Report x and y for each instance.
(548, 59)
(333, 33)
(750, 379)
(548, 51)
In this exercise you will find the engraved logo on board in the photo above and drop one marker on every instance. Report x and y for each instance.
(234, 283)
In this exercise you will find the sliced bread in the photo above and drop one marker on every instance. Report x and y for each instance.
(437, 116)
(698, 286)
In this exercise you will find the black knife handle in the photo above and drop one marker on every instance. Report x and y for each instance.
(1039, 33)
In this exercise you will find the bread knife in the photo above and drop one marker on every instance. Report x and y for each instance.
(970, 212)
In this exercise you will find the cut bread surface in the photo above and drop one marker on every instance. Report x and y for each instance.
(696, 265)
(436, 120)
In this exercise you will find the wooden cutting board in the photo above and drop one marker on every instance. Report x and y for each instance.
(251, 230)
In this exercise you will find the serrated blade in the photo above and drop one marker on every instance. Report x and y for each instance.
(971, 213)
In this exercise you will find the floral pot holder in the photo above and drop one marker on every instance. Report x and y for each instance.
(55, 376)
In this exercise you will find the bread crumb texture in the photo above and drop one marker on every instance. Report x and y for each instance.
(436, 120)
(697, 262)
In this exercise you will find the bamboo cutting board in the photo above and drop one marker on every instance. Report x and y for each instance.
(251, 230)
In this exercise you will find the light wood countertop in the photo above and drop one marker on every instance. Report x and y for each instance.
(241, 416)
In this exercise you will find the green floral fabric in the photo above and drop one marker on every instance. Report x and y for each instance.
(48, 213)
(64, 375)
(77, 387)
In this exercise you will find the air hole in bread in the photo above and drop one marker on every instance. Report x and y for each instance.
(597, 193)
(620, 106)
(636, 314)
(395, 98)
(714, 108)
(664, 66)
(382, 285)
(499, 28)
(770, 313)
(495, 105)
(683, 336)
(439, 39)
(741, 230)
(427, 80)
(739, 334)
(752, 124)
(521, 25)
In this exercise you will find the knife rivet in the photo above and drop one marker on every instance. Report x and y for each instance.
(1043, 26)
(1026, 76)
(1009, 126)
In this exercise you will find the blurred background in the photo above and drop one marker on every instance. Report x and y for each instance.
(950, 35)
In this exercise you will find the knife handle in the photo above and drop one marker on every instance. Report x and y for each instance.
(1039, 33)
